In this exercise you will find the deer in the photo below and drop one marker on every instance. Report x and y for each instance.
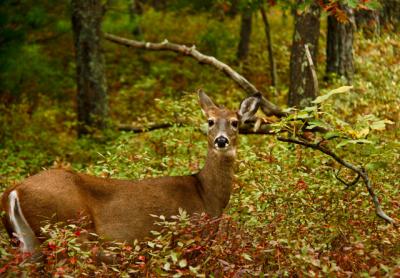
(121, 209)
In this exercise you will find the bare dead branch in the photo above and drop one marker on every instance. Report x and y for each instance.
(137, 129)
(267, 107)
(271, 59)
(247, 128)
(359, 170)
(252, 128)
(312, 69)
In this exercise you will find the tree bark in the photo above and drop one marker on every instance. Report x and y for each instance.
(245, 33)
(90, 69)
(269, 47)
(390, 14)
(339, 46)
(306, 31)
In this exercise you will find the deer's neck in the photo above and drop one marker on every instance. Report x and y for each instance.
(216, 180)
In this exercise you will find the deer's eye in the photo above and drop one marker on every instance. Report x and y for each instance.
(235, 123)
(210, 122)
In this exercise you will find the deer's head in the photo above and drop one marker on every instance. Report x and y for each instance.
(223, 124)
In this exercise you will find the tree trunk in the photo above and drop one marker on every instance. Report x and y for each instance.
(306, 31)
(269, 47)
(390, 14)
(135, 11)
(233, 10)
(90, 72)
(339, 46)
(368, 22)
(245, 32)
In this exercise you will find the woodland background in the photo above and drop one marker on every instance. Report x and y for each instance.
(72, 99)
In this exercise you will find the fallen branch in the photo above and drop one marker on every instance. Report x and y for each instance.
(267, 107)
(247, 128)
(360, 171)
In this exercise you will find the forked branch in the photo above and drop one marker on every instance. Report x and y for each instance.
(347, 184)
(360, 171)
(267, 107)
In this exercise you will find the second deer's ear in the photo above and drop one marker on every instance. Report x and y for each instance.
(205, 102)
(249, 106)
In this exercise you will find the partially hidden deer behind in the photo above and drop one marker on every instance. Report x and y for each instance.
(121, 209)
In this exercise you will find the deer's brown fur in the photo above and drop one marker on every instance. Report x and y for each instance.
(121, 209)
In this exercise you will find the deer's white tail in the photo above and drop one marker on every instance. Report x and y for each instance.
(21, 228)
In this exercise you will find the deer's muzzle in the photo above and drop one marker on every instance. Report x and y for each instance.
(221, 142)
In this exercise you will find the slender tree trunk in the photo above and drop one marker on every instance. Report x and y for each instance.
(91, 79)
(306, 31)
(159, 5)
(368, 21)
(233, 10)
(245, 32)
(339, 46)
(269, 47)
(135, 11)
(390, 14)
(284, 17)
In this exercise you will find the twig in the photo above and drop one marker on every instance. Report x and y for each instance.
(312, 69)
(347, 184)
(267, 107)
(359, 170)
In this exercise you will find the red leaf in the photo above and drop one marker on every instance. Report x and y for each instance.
(52, 245)
(3, 269)
(72, 260)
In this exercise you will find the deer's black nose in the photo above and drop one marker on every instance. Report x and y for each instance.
(221, 142)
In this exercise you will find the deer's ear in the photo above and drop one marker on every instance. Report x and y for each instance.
(205, 102)
(248, 107)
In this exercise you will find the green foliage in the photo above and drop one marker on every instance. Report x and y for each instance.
(25, 68)
(215, 39)
(324, 117)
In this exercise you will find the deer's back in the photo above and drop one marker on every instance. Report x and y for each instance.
(118, 209)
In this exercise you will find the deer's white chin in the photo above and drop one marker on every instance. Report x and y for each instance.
(229, 151)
